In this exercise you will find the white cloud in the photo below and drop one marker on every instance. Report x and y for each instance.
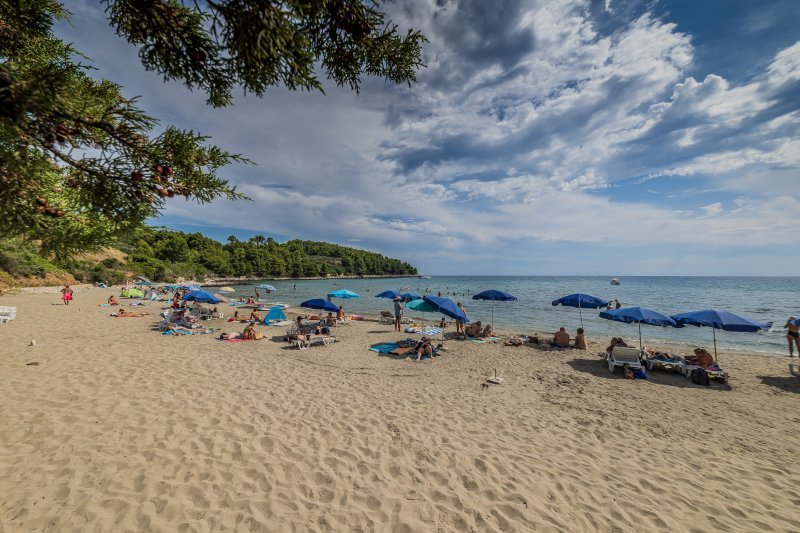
(512, 142)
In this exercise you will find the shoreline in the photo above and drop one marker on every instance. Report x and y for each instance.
(504, 329)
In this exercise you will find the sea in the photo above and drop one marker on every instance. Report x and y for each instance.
(766, 299)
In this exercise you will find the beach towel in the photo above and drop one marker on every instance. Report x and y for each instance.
(177, 332)
(384, 347)
(427, 331)
(487, 339)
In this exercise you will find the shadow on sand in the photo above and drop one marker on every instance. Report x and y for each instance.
(785, 383)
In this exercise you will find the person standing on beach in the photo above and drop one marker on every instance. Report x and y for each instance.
(617, 305)
(459, 323)
(258, 296)
(793, 335)
(398, 313)
(66, 295)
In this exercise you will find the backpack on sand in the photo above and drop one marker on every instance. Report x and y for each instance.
(700, 377)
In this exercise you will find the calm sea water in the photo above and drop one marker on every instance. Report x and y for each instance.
(764, 299)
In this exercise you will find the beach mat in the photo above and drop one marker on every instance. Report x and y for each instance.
(384, 347)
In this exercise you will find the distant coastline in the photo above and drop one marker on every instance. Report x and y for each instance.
(215, 282)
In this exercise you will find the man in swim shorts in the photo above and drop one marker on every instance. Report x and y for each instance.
(66, 294)
(793, 335)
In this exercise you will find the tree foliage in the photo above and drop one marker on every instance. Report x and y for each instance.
(81, 165)
(219, 44)
(162, 254)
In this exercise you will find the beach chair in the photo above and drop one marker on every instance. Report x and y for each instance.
(667, 361)
(301, 344)
(7, 314)
(624, 355)
(387, 317)
(714, 372)
(321, 340)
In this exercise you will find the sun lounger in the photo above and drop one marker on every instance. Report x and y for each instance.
(321, 340)
(664, 360)
(7, 314)
(387, 317)
(714, 372)
(300, 344)
(623, 355)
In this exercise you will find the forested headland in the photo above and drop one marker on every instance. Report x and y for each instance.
(166, 255)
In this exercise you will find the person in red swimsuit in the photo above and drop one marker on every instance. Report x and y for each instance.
(66, 294)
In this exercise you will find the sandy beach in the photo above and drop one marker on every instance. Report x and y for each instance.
(117, 427)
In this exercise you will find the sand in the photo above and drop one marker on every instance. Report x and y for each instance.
(118, 428)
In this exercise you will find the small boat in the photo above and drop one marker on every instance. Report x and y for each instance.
(425, 276)
(615, 281)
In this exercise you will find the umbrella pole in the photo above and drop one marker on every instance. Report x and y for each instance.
(714, 333)
(580, 313)
(640, 336)
(492, 317)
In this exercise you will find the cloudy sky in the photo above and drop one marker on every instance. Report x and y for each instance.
(544, 137)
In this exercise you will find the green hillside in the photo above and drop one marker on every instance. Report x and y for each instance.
(164, 255)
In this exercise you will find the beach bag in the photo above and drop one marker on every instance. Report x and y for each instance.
(699, 377)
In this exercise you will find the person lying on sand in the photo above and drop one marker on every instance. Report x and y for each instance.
(701, 357)
(123, 312)
(424, 347)
(514, 341)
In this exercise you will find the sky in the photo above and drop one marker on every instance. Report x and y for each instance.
(576, 137)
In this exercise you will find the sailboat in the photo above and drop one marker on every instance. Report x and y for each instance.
(426, 275)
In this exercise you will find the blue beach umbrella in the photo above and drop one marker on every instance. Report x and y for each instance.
(320, 304)
(493, 296)
(409, 296)
(266, 287)
(638, 315)
(581, 301)
(343, 293)
(447, 307)
(201, 296)
(388, 294)
(724, 320)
